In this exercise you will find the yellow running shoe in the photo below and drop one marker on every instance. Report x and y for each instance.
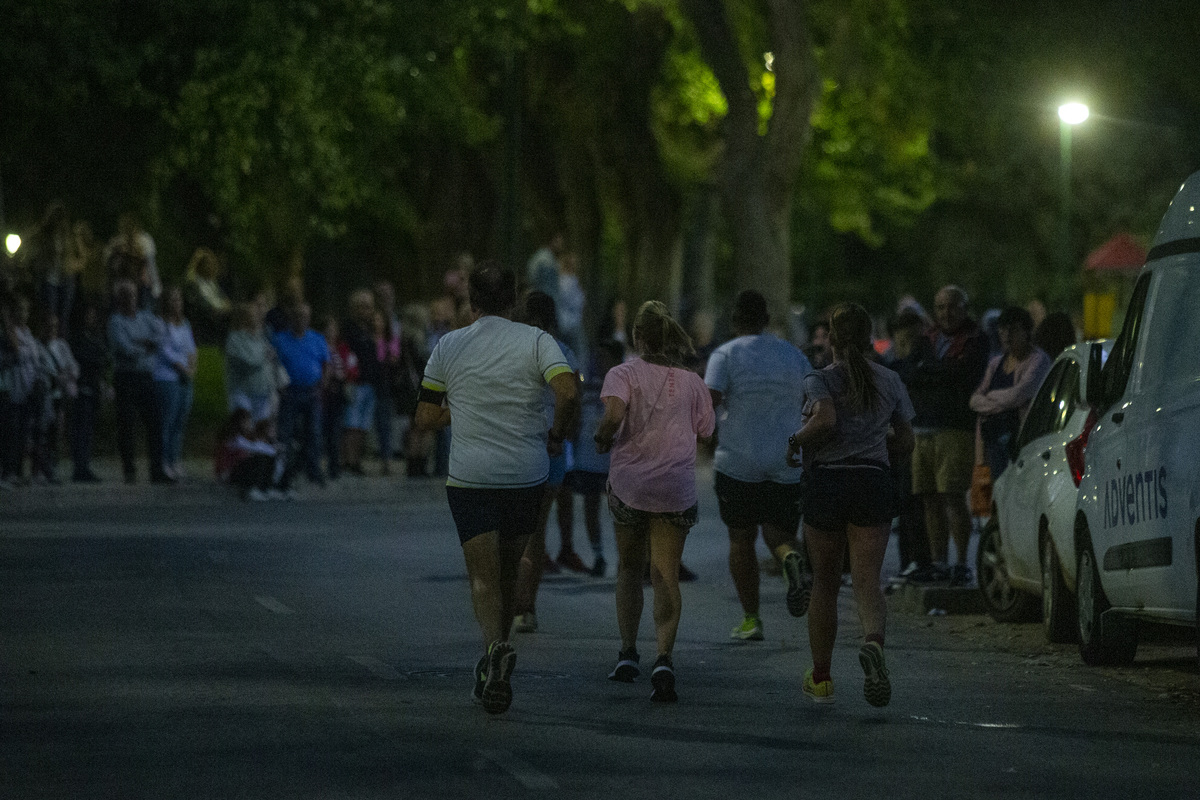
(818, 692)
(750, 629)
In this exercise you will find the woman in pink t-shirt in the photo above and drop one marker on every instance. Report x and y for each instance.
(654, 409)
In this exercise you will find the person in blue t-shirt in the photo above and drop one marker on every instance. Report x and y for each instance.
(304, 354)
(757, 385)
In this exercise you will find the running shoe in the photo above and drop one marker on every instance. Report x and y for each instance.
(663, 681)
(570, 560)
(527, 622)
(749, 631)
(818, 692)
(799, 584)
(480, 679)
(497, 690)
(876, 686)
(599, 566)
(626, 670)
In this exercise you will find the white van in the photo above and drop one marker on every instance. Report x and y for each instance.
(1138, 514)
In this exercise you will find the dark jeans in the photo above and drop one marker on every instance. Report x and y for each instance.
(60, 299)
(911, 536)
(83, 426)
(300, 428)
(135, 400)
(10, 437)
(383, 421)
(331, 430)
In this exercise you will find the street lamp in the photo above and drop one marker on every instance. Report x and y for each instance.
(12, 243)
(1069, 115)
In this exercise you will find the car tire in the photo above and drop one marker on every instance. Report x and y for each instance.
(1102, 642)
(1058, 605)
(1002, 601)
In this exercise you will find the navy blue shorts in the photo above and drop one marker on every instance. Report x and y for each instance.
(748, 505)
(836, 495)
(511, 512)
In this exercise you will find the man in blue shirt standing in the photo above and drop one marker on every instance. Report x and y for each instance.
(304, 354)
(757, 385)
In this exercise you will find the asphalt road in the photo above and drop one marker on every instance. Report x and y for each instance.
(171, 642)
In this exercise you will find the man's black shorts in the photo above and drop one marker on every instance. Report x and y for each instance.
(835, 496)
(512, 512)
(748, 505)
(586, 483)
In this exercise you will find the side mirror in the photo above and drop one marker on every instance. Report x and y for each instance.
(1095, 387)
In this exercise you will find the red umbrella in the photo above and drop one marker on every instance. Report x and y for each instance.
(1121, 252)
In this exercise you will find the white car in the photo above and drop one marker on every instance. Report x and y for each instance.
(1027, 549)
(1137, 526)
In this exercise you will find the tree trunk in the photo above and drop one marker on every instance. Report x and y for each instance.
(758, 174)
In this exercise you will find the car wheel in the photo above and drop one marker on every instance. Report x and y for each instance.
(1002, 601)
(1058, 606)
(1100, 641)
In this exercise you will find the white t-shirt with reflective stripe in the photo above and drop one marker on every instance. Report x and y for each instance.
(493, 373)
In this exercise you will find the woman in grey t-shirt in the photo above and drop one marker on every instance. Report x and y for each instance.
(855, 414)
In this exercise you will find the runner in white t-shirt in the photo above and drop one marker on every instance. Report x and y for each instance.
(757, 381)
(488, 379)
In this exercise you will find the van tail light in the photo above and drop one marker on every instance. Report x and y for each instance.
(1077, 447)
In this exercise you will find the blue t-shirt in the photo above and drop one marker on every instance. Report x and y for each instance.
(761, 381)
(302, 357)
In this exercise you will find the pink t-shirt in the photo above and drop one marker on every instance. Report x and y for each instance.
(653, 462)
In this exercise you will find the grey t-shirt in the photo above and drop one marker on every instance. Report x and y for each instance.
(861, 435)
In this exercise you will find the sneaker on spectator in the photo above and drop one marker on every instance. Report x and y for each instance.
(526, 622)
(275, 494)
(626, 670)
(662, 678)
(799, 584)
(961, 576)
(256, 495)
(598, 567)
(877, 688)
(818, 692)
(569, 559)
(750, 629)
(930, 573)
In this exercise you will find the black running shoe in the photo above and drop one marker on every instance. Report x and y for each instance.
(627, 669)
(799, 584)
(497, 691)
(877, 687)
(480, 679)
(663, 681)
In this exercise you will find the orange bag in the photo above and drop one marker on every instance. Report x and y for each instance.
(981, 491)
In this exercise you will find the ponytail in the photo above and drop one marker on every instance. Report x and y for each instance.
(659, 338)
(850, 335)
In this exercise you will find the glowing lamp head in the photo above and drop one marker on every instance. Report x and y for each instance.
(1073, 113)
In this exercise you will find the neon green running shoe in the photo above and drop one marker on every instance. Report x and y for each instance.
(749, 631)
(818, 692)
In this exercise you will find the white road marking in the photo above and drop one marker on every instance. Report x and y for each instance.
(525, 775)
(271, 604)
(377, 667)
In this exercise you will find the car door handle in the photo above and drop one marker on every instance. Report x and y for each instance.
(1118, 417)
(1046, 455)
